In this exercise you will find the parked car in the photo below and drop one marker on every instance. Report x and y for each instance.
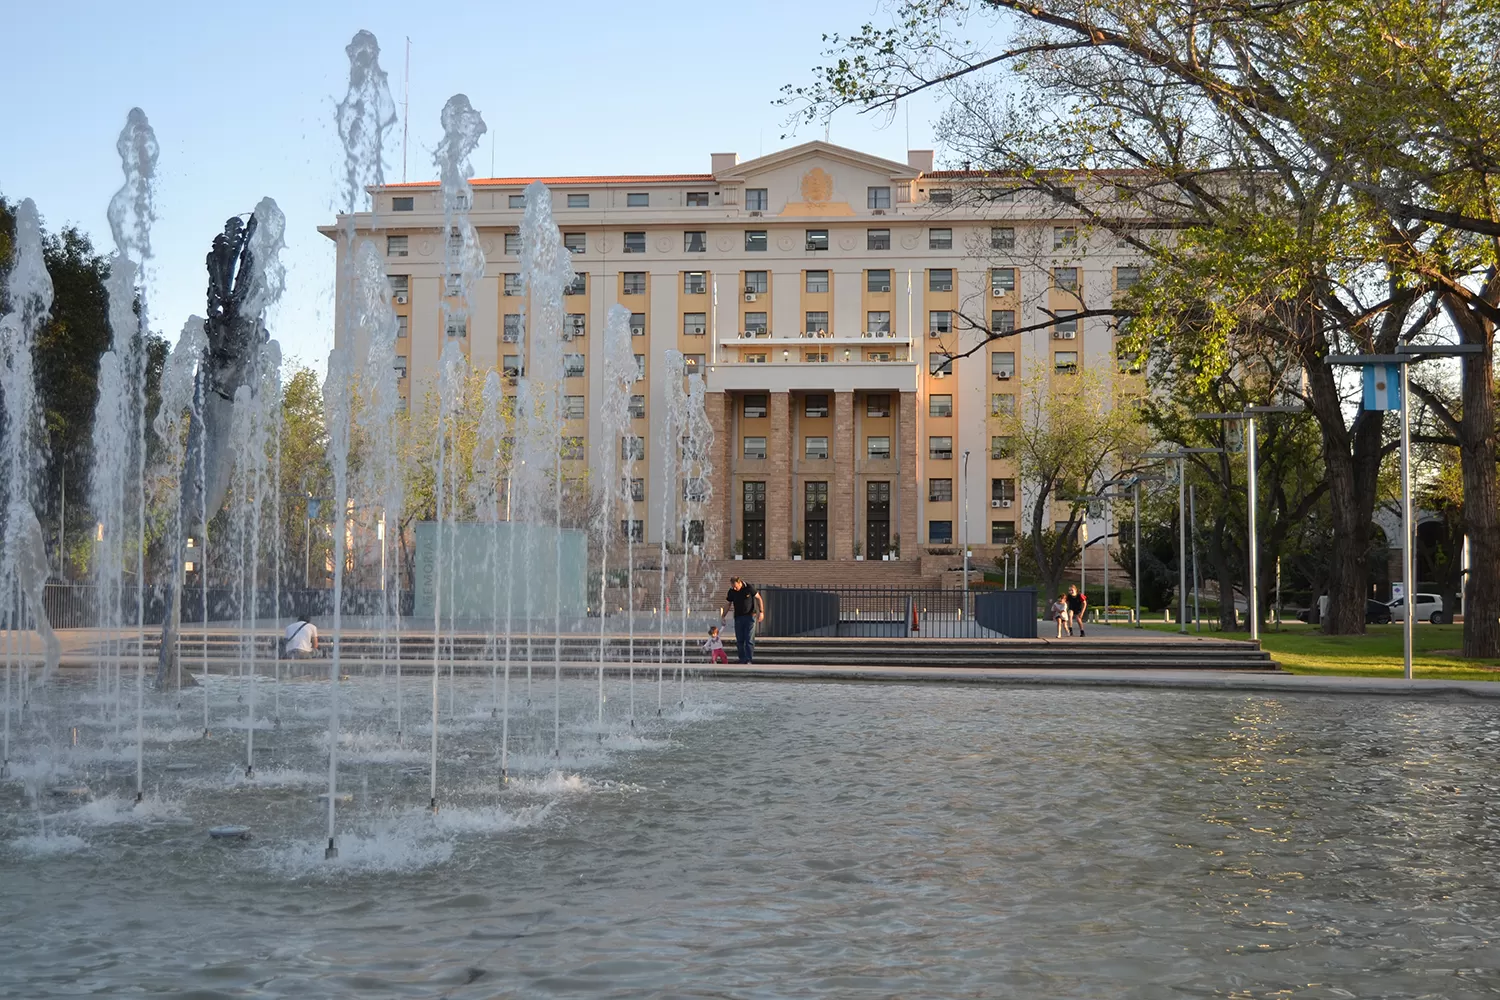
(1376, 613)
(1427, 607)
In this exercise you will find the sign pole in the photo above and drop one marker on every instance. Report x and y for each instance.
(1408, 564)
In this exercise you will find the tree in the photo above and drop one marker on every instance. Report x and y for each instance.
(1067, 432)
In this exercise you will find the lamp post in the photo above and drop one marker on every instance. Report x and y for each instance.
(1248, 415)
(1104, 497)
(1405, 355)
(966, 529)
(1180, 456)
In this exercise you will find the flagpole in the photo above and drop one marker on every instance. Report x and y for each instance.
(1408, 563)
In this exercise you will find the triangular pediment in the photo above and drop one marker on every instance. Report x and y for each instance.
(812, 152)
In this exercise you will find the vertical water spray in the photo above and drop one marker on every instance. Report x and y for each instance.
(697, 476)
(336, 405)
(614, 419)
(671, 449)
(547, 270)
(484, 495)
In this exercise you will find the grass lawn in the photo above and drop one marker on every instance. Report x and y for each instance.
(1303, 649)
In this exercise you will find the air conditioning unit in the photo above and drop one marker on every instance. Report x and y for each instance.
(696, 331)
(1064, 334)
(815, 246)
(750, 296)
(756, 214)
(939, 374)
(933, 334)
(883, 288)
(1003, 376)
(400, 298)
(877, 211)
(995, 503)
(1005, 503)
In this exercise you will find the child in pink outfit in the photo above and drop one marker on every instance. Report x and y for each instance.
(714, 646)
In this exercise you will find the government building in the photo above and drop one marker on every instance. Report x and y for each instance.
(821, 293)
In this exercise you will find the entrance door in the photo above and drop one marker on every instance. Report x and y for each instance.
(755, 520)
(815, 520)
(877, 519)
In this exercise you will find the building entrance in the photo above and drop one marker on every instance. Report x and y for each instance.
(815, 520)
(877, 519)
(755, 520)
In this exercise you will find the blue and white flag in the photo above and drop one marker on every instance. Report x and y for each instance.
(1382, 387)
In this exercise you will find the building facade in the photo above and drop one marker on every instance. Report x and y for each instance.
(822, 294)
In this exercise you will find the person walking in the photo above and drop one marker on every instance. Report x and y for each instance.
(1076, 604)
(748, 609)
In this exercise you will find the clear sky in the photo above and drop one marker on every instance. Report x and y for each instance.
(242, 98)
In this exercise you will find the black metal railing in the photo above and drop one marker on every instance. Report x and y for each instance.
(894, 612)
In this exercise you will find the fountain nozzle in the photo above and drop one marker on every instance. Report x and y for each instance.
(331, 852)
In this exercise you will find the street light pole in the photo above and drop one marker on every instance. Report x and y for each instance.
(1193, 537)
(1135, 496)
(1252, 596)
(966, 531)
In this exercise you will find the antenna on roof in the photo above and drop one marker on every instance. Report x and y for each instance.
(405, 107)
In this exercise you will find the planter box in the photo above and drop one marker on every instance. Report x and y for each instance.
(739, 558)
(796, 558)
(859, 558)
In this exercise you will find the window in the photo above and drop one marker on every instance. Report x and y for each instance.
(1003, 364)
(572, 366)
(940, 239)
(400, 366)
(1002, 404)
(1002, 280)
(1002, 447)
(456, 327)
(753, 358)
(1002, 238)
(1064, 236)
(1065, 362)
(1067, 322)
(877, 448)
(695, 241)
(1003, 490)
(1002, 532)
(1002, 321)
(755, 447)
(940, 279)
(940, 448)
(756, 199)
(878, 324)
(1065, 278)
(693, 364)
(817, 282)
(694, 324)
(403, 325)
(511, 367)
(635, 242)
(578, 286)
(878, 405)
(877, 239)
(633, 448)
(878, 280)
(513, 244)
(573, 408)
(940, 532)
(815, 405)
(634, 530)
(940, 405)
(1129, 362)
(638, 199)
(694, 282)
(510, 333)
(517, 201)
(939, 490)
(638, 407)
(513, 285)
(453, 284)
(755, 323)
(578, 201)
(637, 324)
(575, 242)
(697, 199)
(815, 357)
(939, 322)
(755, 240)
(755, 406)
(575, 325)
(878, 197)
(406, 204)
(1126, 277)
(940, 196)
(395, 246)
(817, 239)
(640, 367)
(400, 284)
(572, 448)
(817, 323)
(816, 448)
(939, 363)
(1000, 193)
(633, 283)
(455, 241)
(636, 489)
(1066, 193)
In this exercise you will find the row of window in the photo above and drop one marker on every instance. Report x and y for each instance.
(1001, 490)
(756, 200)
(815, 446)
(940, 532)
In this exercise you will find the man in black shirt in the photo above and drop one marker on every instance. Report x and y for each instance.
(748, 609)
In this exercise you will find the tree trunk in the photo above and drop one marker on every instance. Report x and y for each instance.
(1477, 446)
(1351, 498)
(1223, 574)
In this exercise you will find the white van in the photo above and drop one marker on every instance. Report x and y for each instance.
(1428, 608)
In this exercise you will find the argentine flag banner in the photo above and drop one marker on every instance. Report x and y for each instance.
(1382, 387)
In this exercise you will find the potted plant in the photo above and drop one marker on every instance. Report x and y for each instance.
(739, 548)
(895, 546)
(796, 548)
(859, 551)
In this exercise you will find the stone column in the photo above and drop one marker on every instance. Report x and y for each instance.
(841, 495)
(906, 462)
(718, 530)
(779, 477)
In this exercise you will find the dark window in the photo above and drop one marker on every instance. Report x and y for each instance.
(697, 199)
(756, 199)
(406, 204)
(755, 240)
(755, 406)
(878, 280)
(815, 405)
(575, 242)
(635, 242)
(695, 241)
(940, 532)
(877, 239)
(817, 239)
(637, 199)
